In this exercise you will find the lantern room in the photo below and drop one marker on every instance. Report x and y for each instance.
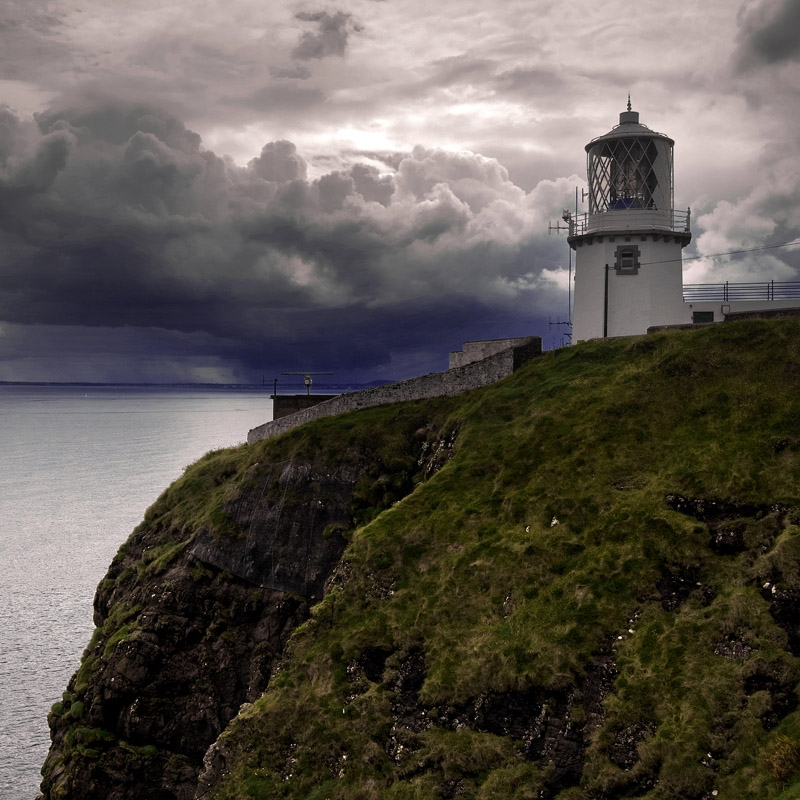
(630, 167)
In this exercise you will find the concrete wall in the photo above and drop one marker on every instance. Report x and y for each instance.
(739, 309)
(477, 351)
(754, 312)
(436, 384)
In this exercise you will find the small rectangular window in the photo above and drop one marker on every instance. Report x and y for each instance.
(699, 317)
(626, 259)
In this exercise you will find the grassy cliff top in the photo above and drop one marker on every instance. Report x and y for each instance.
(582, 582)
(604, 553)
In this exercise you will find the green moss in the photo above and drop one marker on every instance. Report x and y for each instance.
(157, 559)
(120, 624)
(145, 751)
(118, 636)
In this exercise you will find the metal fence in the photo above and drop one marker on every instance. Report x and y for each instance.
(726, 292)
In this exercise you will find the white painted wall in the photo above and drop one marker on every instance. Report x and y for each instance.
(720, 309)
(635, 302)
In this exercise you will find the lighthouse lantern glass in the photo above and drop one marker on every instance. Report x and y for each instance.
(626, 173)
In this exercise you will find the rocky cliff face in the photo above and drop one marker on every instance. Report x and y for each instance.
(196, 610)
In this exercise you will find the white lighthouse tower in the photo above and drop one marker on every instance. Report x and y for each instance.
(628, 271)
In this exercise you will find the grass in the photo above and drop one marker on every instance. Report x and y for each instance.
(500, 598)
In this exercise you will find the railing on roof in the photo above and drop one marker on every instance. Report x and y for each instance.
(726, 292)
(631, 219)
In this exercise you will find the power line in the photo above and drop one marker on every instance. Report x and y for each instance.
(729, 253)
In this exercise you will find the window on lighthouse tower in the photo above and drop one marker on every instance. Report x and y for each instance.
(626, 260)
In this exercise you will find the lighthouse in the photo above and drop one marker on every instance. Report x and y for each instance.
(628, 270)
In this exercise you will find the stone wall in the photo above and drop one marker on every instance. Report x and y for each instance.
(477, 351)
(436, 384)
(285, 404)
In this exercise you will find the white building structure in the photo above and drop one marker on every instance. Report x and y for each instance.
(628, 263)
(628, 267)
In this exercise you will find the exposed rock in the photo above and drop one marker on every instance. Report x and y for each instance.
(169, 688)
(451, 789)
(200, 639)
(784, 605)
(624, 750)
(675, 586)
(286, 545)
(733, 648)
(713, 511)
(373, 662)
(781, 690)
(728, 539)
(435, 453)
(541, 721)
(724, 520)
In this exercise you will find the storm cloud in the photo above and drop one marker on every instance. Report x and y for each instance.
(116, 217)
(246, 187)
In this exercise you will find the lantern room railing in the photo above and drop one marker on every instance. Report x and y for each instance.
(631, 220)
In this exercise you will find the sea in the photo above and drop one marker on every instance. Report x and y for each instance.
(79, 465)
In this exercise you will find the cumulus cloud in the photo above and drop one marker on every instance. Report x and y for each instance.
(278, 163)
(768, 214)
(116, 217)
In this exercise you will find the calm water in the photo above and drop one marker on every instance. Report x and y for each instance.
(78, 468)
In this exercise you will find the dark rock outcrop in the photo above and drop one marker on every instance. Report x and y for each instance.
(286, 545)
(197, 607)
(191, 624)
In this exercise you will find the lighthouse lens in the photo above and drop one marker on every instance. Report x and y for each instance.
(622, 174)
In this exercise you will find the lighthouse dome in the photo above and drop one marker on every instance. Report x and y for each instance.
(629, 125)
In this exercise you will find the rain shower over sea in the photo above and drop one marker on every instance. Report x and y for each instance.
(79, 467)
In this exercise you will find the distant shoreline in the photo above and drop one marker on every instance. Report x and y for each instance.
(239, 387)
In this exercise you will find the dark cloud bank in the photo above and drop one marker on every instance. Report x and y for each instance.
(771, 34)
(129, 252)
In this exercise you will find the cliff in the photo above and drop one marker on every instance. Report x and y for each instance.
(582, 582)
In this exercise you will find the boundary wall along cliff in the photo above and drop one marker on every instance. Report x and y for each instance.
(508, 356)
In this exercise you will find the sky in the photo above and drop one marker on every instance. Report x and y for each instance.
(214, 191)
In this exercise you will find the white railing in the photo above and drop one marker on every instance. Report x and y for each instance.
(631, 219)
(727, 292)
